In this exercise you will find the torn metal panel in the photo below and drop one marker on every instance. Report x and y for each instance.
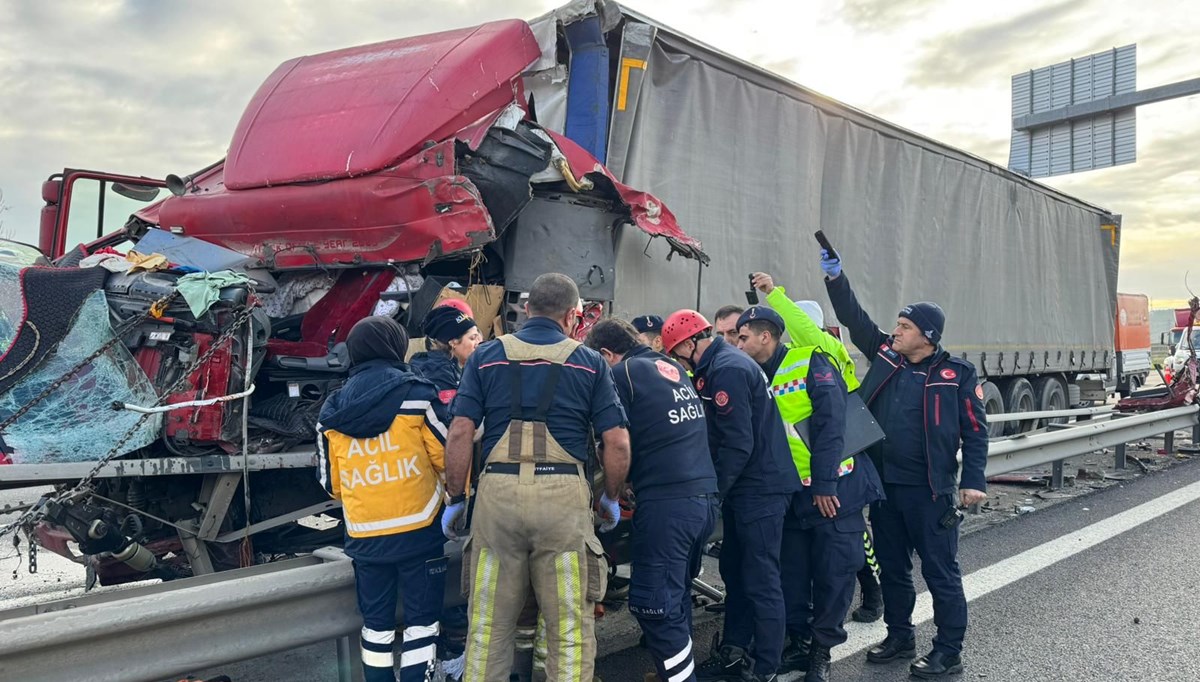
(375, 219)
(646, 211)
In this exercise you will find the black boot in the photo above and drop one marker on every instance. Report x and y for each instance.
(892, 648)
(936, 664)
(795, 655)
(749, 675)
(726, 663)
(871, 608)
(819, 665)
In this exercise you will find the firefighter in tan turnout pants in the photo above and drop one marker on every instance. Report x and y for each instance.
(540, 395)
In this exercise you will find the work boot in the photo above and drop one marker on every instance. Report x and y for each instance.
(819, 665)
(726, 663)
(936, 664)
(795, 655)
(871, 608)
(891, 648)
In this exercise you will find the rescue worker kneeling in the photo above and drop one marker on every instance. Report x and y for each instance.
(675, 486)
(823, 531)
(381, 440)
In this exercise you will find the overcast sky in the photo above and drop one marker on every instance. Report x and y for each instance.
(148, 87)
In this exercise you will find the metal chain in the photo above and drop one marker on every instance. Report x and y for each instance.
(33, 553)
(160, 304)
(243, 317)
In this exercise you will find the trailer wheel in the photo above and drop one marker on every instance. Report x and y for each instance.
(1019, 398)
(993, 403)
(1051, 397)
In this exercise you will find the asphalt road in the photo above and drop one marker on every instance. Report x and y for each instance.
(1124, 608)
(1053, 594)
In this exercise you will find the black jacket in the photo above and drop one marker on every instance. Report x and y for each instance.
(667, 429)
(745, 432)
(954, 415)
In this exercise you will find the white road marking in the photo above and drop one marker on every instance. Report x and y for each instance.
(1010, 570)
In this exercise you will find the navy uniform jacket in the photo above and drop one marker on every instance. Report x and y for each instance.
(953, 405)
(583, 400)
(826, 428)
(440, 368)
(667, 429)
(745, 431)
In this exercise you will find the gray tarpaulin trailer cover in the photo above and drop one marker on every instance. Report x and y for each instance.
(753, 164)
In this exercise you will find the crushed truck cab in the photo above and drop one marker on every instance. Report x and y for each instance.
(370, 180)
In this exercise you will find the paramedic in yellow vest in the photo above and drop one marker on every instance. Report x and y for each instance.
(380, 449)
(540, 395)
(822, 537)
(804, 322)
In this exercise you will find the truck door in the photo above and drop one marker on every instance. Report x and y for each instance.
(90, 208)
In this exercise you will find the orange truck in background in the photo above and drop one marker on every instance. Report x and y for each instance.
(1132, 342)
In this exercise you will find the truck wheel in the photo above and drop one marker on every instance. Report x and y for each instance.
(1052, 396)
(993, 403)
(1019, 398)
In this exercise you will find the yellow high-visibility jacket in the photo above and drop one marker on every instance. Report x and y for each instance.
(381, 451)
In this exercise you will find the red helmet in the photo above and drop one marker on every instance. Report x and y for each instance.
(681, 326)
(458, 304)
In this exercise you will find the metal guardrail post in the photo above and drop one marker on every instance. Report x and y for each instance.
(1038, 449)
(1056, 475)
(1196, 434)
(1119, 458)
(349, 660)
(1169, 443)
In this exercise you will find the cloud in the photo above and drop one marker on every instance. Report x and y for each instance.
(873, 15)
(973, 56)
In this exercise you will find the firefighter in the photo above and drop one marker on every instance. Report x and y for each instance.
(675, 487)
(822, 536)
(804, 322)
(380, 447)
(649, 331)
(930, 406)
(452, 337)
(540, 395)
(755, 480)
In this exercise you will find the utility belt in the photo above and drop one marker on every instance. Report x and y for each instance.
(541, 469)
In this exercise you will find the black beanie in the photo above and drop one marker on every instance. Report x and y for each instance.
(377, 338)
(929, 318)
(446, 323)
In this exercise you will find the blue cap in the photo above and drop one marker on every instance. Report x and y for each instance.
(761, 312)
(648, 323)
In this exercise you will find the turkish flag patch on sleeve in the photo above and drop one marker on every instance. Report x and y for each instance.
(668, 370)
(721, 398)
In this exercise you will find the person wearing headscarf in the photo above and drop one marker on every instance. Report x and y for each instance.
(381, 451)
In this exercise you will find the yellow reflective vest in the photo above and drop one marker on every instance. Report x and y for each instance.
(804, 332)
(391, 482)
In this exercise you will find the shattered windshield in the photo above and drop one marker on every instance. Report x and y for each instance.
(75, 422)
(13, 257)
